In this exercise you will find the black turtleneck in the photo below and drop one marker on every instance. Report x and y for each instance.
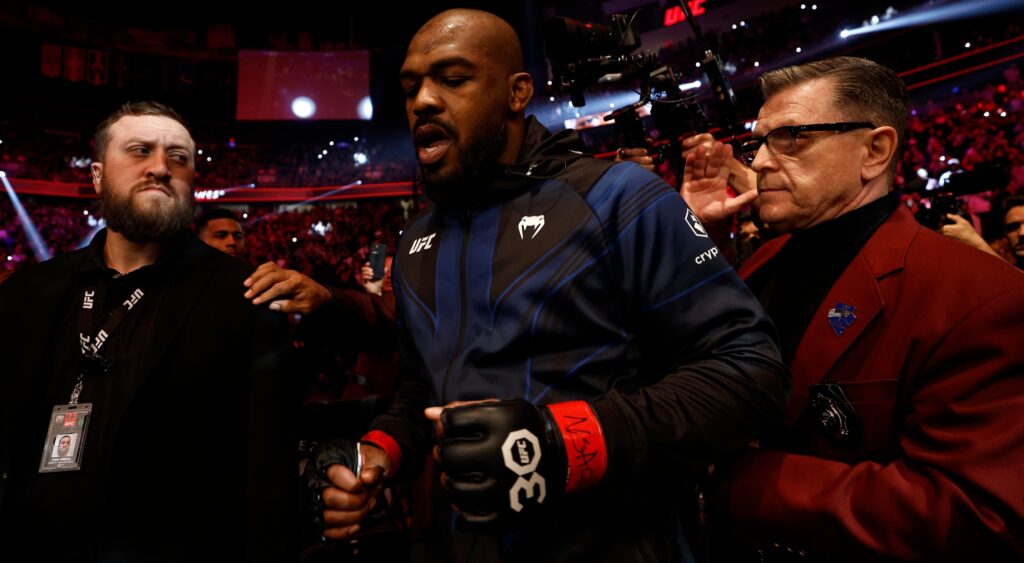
(793, 284)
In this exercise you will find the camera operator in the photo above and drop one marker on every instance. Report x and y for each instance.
(904, 437)
(1013, 222)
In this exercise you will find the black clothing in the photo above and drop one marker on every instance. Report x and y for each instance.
(190, 452)
(792, 286)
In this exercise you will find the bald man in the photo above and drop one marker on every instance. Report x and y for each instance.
(566, 327)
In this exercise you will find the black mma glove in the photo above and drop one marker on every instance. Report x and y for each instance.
(507, 460)
(314, 479)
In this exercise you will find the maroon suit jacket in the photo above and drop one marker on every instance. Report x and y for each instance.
(934, 365)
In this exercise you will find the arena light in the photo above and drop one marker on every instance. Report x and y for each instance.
(365, 108)
(931, 14)
(303, 107)
(689, 86)
(39, 247)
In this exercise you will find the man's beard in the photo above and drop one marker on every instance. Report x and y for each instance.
(463, 183)
(155, 223)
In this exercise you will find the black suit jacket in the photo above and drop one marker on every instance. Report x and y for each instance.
(203, 466)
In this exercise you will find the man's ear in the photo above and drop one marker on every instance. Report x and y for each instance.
(521, 91)
(97, 175)
(880, 150)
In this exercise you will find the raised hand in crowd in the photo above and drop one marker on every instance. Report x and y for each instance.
(638, 155)
(371, 285)
(961, 230)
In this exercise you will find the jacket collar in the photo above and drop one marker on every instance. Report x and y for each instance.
(542, 156)
(884, 254)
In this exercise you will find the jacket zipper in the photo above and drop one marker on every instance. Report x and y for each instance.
(463, 304)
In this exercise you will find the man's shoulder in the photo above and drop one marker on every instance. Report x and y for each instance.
(949, 262)
(588, 173)
(46, 273)
(199, 256)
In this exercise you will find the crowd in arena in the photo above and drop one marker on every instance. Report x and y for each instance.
(983, 127)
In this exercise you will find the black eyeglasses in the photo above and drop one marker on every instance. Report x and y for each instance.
(782, 140)
(1013, 226)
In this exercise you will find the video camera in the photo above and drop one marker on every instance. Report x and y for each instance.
(582, 53)
(935, 204)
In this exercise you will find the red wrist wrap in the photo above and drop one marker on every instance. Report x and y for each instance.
(585, 449)
(388, 444)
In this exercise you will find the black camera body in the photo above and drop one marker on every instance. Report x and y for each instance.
(932, 213)
(935, 204)
(582, 53)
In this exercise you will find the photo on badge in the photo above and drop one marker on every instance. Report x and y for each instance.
(65, 438)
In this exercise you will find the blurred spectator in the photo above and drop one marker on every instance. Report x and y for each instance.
(220, 229)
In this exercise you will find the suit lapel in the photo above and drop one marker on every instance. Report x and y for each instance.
(858, 288)
(823, 344)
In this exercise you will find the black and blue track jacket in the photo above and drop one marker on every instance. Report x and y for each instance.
(575, 278)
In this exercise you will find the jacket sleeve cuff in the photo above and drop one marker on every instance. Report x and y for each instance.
(586, 455)
(622, 449)
(388, 444)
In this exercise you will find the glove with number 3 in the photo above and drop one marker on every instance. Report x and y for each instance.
(504, 461)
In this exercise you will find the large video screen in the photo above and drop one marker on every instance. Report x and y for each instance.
(303, 85)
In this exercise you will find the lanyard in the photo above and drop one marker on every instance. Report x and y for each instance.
(92, 362)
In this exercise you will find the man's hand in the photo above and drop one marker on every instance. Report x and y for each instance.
(371, 285)
(964, 232)
(690, 144)
(705, 182)
(504, 461)
(301, 294)
(637, 155)
(344, 499)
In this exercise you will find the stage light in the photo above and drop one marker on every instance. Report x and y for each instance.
(303, 107)
(928, 14)
(365, 108)
(39, 247)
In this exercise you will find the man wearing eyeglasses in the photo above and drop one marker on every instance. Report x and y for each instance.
(903, 437)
